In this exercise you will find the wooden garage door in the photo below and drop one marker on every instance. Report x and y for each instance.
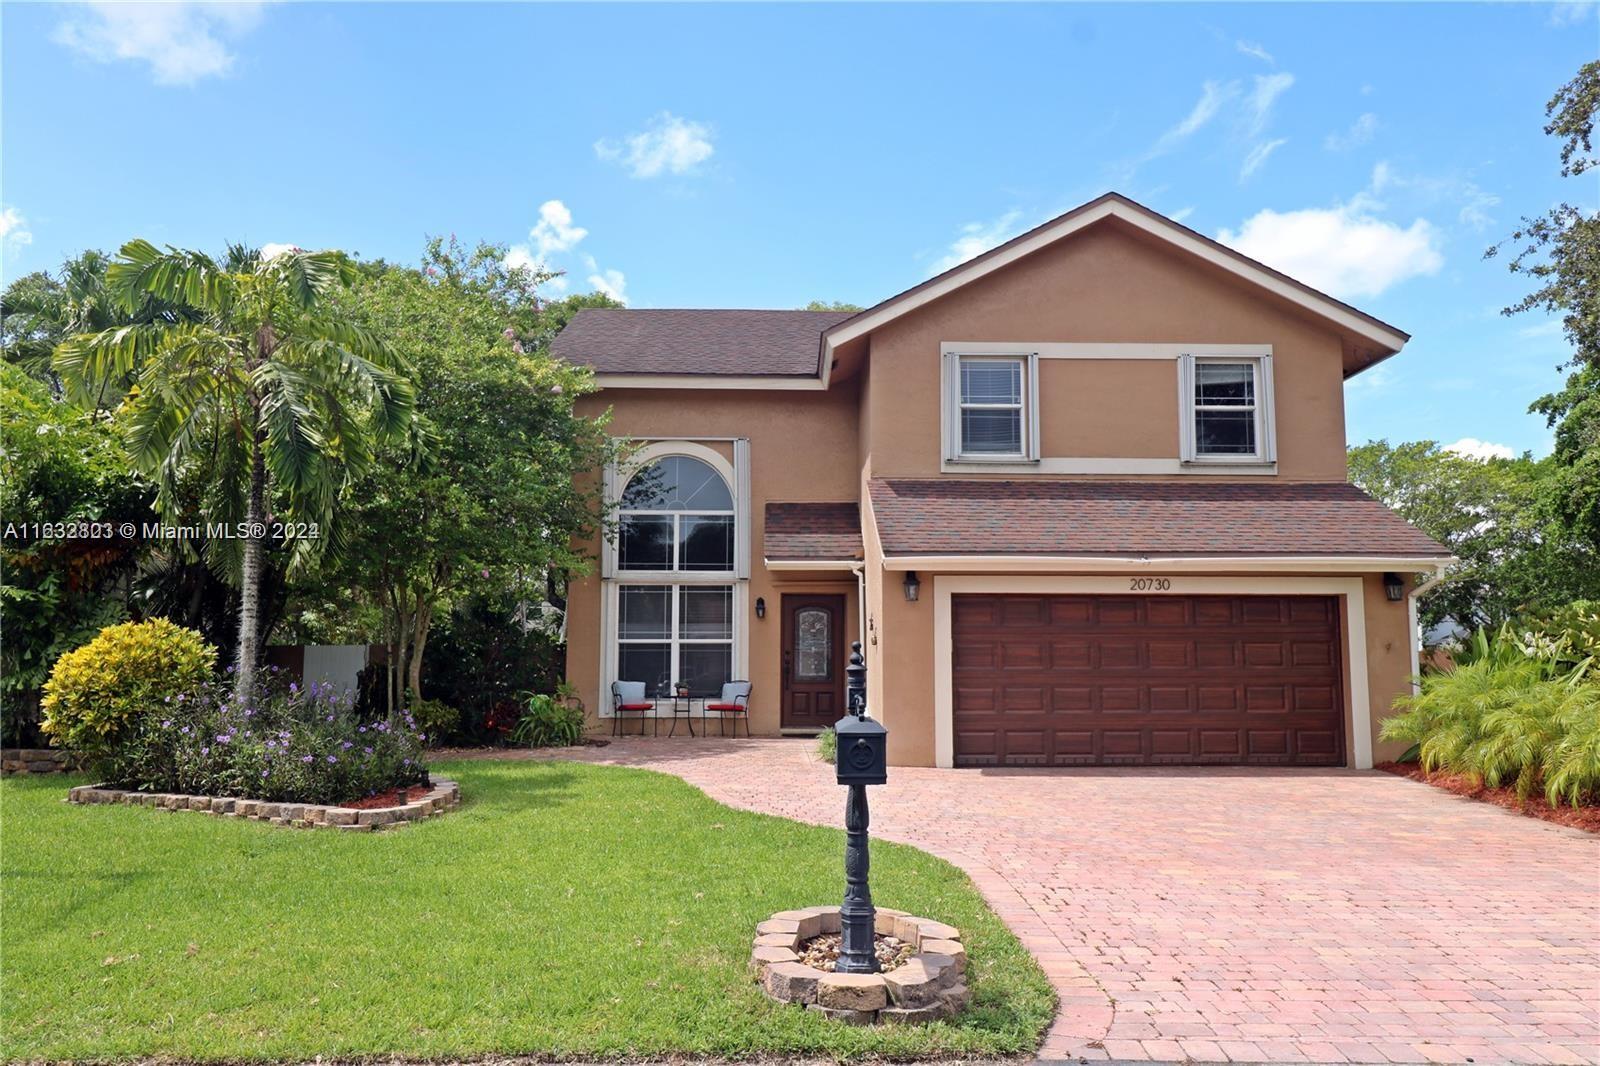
(1114, 680)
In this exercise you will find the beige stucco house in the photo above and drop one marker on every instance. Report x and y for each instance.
(1082, 499)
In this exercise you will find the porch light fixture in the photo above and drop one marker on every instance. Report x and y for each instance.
(761, 607)
(1394, 587)
(913, 586)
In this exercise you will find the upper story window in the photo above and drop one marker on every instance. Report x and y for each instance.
(676, 515)
(991, 407)
(1227, 409)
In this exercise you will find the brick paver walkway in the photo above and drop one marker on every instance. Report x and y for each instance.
(1245, 915)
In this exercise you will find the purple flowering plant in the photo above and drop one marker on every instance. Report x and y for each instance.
(283, 742)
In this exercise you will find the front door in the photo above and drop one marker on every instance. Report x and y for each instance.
(813, 661)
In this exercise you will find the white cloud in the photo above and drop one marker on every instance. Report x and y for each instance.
(1251, 48)
(1213, 95)
(1344, 250)
(1482, 450)
(1258, 155)
(14, 231)
(182, 42)
(1359, 133)
(976, 238)
(1472, 203)
(1181, 213)
(271, 250)
(669, 145)
(1570, 14)
(611, 282)
(1268, 87)
(554, 232)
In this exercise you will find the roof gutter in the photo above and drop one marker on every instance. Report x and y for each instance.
(982, 564)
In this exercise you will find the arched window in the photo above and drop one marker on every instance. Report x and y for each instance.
(676, 514)
(676, 519)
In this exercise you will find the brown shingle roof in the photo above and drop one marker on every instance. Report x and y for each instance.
(972, 517)
(662, 341)
(813, 531)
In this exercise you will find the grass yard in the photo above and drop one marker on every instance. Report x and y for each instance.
(565, 910)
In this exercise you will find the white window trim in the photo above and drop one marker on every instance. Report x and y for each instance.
(951, 406)
(737, 476)
(1260, 363)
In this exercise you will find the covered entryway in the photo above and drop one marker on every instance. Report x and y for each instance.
(1063, 680)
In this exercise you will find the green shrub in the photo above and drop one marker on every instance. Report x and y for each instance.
(281, 742)
(548, 722)
(1568, 635)
(436, 719)
(828, 746)
(1506, 717)
(102, 697)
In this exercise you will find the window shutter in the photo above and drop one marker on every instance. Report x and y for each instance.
(1186, 408)
(608, 545)
(741, 508)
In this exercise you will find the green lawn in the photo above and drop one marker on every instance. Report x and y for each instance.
(564, 910)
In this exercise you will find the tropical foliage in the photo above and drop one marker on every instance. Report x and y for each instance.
(497, 498)
(103, 697)
(1559, 251)
(1516, 709)
(264, 383)
(1515, 557)
(548, 722)
(64, 473)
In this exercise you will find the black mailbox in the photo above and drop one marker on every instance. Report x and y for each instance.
(862, 755)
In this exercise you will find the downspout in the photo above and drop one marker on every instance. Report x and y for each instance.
(1416, 632)
(860, 570)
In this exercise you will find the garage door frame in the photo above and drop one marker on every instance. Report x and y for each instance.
(1348, 589)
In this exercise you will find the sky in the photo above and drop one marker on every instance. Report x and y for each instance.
(767, 155)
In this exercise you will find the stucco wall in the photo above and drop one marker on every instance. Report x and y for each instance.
(1110, 285)
(803, 447)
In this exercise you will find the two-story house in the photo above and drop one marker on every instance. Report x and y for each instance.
(1082, 499)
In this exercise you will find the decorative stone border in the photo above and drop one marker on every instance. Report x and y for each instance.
(442, 796)
(926, 987)
(37, 761)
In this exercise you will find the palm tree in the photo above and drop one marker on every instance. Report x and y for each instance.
(268, 388)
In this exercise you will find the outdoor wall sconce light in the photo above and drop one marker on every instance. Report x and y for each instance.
(913, 586)
(761, 607)
(1394, 587)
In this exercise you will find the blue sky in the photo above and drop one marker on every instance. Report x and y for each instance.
(763, 156)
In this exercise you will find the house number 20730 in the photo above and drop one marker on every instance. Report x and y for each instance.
(1150, 584)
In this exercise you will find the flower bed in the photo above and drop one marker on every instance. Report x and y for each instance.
(440, 796)
(927, 986)
(1586, 818)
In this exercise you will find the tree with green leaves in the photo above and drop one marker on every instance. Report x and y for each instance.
(503, 493)
(1560, 252)
(1514, 558)
(269, 386)
(830, 305)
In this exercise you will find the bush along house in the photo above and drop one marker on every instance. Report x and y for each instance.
(1081, 498)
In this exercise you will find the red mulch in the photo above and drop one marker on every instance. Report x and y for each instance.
(393, 797)
(1585, 818)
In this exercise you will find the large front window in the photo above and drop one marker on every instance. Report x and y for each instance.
(675, 620)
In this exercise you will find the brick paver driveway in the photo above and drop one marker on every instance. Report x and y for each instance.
(1253, 915)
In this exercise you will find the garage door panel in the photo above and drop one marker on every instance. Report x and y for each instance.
(1073, 680)
(1169, 654)
(1118, 653)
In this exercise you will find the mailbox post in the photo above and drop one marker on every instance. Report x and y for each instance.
(861, 759)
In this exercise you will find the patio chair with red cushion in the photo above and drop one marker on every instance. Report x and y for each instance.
(733, 703)
(627, 697)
